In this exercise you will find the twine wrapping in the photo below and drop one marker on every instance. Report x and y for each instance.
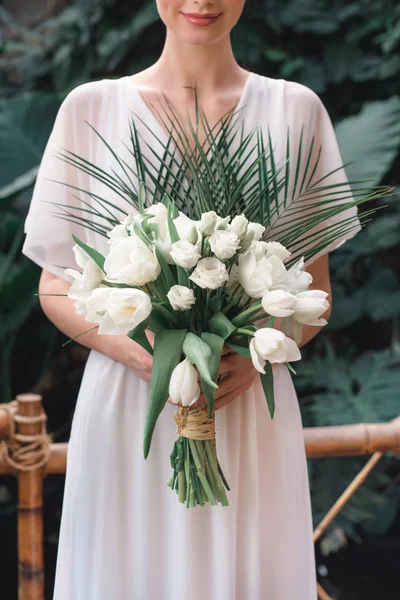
(195, 423)
(24, 452)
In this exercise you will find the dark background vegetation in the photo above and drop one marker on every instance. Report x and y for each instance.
(347, 52)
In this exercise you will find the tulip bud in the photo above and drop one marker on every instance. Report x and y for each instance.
(183, 386)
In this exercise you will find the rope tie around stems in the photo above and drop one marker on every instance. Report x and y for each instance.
(21, 451)
(194, 423)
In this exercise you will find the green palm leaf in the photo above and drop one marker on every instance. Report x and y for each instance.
(214, 175)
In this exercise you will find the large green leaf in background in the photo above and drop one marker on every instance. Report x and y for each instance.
(371, 139)
(362, 389)
(25, 125)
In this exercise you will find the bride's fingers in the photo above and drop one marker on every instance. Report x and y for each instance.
(201, 402)
(227, 350)
(228, 398)
(229, 363)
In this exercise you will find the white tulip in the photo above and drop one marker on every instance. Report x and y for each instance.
(259, 276)
(277, 249)
(224, 244)
(186, 228)
(165, 246)
(254, 275)
(254, 234)
(279, 303)
(183, 385)
(129, 220)
(207, 223)
(259, 248)
(278, 273)
(222, 222)
(81, 258)
(96, 304)
(118, 310)
(297, 279)
(185, 254)
(257, 229)
(272, 345)
(181, 297)
(116, 233)
(160, 218)
(130, 261)
(77, 291)
(85, 282)
(310, 306)
(210, 273)
(239, 226)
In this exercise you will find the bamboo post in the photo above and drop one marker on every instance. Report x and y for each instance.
(26, 453)
(347, 494)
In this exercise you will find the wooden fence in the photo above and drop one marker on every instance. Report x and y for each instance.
(27, 452)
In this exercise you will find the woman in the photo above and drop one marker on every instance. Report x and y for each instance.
(123, 534)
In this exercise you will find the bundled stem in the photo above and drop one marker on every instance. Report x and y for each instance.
(197, 476)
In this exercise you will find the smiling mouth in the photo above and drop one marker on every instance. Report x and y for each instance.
(200, 19)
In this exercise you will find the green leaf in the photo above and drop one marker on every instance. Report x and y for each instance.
(166, 278)
(371, 139)
(139, 227)
(216, 343)
(171, 225)
(26, 121)
(166, 355)
(289, 366)
(94, 254)
(221, 325)
(267, 381)
(240, 346)
(139, 336)
(199, 354)
(142, 198)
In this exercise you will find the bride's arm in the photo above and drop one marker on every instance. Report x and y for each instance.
(61, 312)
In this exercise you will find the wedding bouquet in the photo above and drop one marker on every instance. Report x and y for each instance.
(207, 261)
(198, 285)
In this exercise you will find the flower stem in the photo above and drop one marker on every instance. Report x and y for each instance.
(200, 472)
(245, 332)
(212, 457)
(181, 486)
(241, 318)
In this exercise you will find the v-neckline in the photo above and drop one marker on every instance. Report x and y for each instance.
(163, 136)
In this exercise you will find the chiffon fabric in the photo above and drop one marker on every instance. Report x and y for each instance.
(123, 534)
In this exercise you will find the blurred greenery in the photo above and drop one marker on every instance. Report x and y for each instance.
(347, 52)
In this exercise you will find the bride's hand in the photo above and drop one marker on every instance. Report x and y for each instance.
(238, 374)
(134, 357)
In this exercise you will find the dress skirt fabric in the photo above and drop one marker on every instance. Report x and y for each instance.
(123, 535)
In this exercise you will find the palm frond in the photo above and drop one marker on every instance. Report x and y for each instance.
(228, 175)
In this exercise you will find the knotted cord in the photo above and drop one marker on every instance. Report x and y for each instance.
(21, 451)
(195, 423)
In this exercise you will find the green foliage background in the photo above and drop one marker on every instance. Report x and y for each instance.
(347, 52)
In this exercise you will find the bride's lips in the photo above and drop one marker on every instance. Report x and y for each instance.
(200, 20)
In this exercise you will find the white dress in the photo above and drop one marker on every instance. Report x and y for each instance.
(123, 534)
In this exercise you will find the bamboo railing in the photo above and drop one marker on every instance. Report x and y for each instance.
(27, 452)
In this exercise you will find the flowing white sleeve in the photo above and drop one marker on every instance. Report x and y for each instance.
(306, 110)
(48, 240)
